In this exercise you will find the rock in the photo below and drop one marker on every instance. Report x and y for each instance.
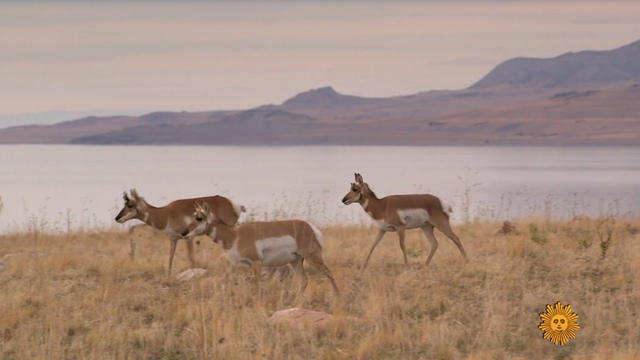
(191, 274)
(302, 317)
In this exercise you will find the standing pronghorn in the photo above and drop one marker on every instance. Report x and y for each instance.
(402, 212)
(174, 218)
(268, 243)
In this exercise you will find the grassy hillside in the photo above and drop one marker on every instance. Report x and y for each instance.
(80, 296)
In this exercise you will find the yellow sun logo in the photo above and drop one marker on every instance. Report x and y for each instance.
(559, 324)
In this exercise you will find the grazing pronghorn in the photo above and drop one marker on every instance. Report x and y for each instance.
(272, 243)
(403, 212)
(173, 219)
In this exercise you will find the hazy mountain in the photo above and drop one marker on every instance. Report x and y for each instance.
(52, 117)
(64, 132)
(589, 97)
(351, 109)
(592, 117)
(324, 96)
(570, 70)
(264, 125)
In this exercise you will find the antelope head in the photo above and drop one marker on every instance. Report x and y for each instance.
(357, 191)
(132, 207)
(202, 218)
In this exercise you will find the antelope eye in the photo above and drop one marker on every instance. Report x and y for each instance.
(199, 218)
(129, 205)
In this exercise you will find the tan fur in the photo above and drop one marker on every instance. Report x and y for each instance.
(245, 237)
(170, 219)
(385, 212)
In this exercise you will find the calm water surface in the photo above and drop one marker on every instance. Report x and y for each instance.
(56, 187)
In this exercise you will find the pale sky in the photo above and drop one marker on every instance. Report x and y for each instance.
(147, 56)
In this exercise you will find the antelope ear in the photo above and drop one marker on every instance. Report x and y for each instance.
(359, 178)
(125, 197)
(134, 194)
(201, 207)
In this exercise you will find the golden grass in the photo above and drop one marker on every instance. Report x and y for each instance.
(80, 296)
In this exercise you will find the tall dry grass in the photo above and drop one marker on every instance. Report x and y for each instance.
(80, 296)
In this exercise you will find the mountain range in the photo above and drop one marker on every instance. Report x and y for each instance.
(582, 98)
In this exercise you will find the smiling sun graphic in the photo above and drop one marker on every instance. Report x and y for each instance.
(559, 324)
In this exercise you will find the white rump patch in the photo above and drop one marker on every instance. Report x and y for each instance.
(317, 232)
(413, 218)
(276, 251)
(446, 207)
(239, 209)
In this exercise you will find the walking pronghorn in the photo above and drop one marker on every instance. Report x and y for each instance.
(402, 212)
(174, 218)
(269, 243)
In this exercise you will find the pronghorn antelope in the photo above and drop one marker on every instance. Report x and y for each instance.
(403, 212)
(272, 243)
(174, 218)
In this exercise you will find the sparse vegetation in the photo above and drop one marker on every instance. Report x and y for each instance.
(537, 236)
(605, 229)
(81, 296)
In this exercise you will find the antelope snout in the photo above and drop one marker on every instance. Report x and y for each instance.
(185, 233)
(345, 200)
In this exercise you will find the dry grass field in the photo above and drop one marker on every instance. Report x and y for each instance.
(80, 296)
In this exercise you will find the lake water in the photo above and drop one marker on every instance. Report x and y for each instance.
(56, 187)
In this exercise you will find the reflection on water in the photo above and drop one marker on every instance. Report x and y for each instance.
(58, 187)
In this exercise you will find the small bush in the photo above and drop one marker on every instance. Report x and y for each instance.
(536, 235)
